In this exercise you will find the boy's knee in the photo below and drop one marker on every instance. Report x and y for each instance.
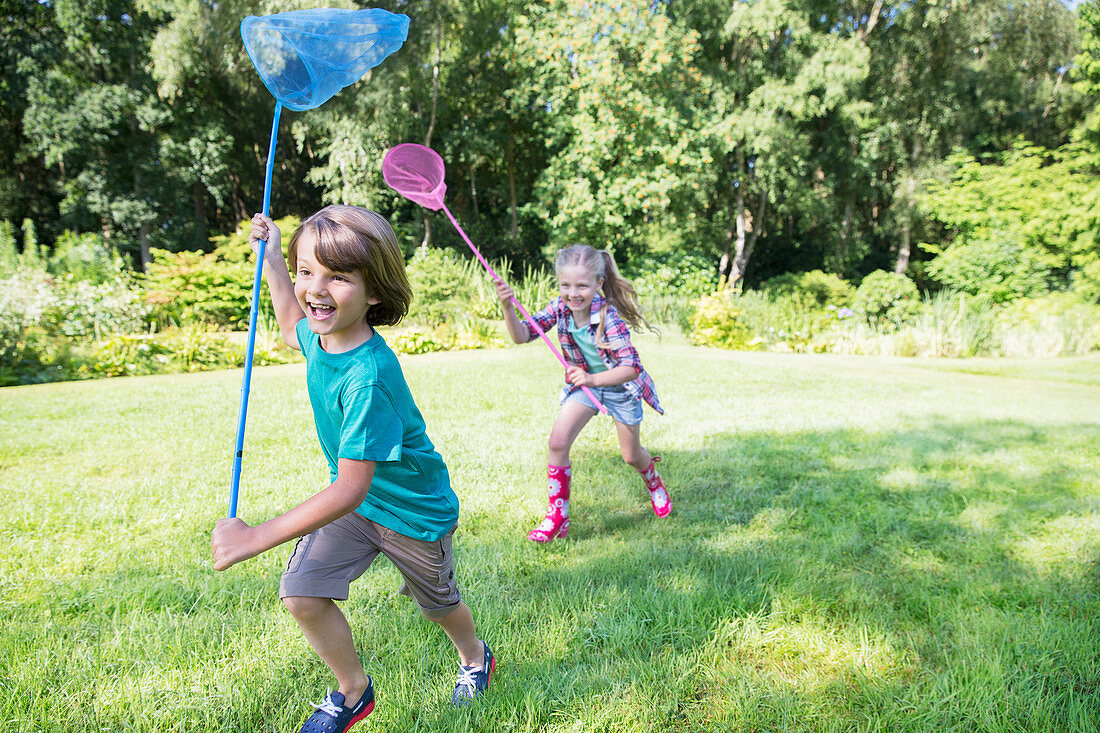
(305, 607)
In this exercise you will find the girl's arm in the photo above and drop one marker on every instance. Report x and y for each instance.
(287, 310)
(518, 331)
(611, 378)
(234, 541)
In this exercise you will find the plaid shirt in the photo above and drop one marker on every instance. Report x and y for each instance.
(616, 335)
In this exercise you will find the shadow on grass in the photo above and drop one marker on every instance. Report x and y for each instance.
(958, 546)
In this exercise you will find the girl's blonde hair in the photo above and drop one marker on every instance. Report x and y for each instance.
(617, 289)
(352, 239)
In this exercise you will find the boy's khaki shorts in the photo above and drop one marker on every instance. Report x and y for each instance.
(324, 563)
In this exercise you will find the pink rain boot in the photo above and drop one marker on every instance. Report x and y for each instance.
(658, 495)
(556, 523)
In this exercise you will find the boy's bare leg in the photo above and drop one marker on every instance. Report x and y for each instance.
(459, 627)
(328, 632)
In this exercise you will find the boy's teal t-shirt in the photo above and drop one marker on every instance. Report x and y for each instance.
(363, 410)
(587, 346)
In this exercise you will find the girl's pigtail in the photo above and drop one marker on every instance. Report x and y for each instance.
(620, 293)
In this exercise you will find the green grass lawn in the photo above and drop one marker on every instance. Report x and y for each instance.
(856, 544)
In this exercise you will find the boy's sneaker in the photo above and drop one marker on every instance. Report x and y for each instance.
(472, 681)
(332, 717)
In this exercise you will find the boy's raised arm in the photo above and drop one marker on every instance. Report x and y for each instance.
(287, 310)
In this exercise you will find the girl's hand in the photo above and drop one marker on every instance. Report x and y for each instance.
(231, 543)
(578, 377)
(265, 229)
(505, 293)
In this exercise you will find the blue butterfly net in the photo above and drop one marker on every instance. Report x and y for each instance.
(304, 57)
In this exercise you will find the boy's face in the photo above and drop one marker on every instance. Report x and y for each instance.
(335, 303)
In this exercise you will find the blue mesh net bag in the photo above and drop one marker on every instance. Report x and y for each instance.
(304, 57)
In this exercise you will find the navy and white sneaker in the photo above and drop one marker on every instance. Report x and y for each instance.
(332, 717)
(472, 681)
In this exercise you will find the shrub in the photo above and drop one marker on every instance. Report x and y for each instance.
(888, 300)
(1059, 324)
(718, 321)
(86, 257)
(192, 348)
(811, 290)
(211, 288)
(44, 319)
(441, 285)
(125, 355)
(417, 340)
(477, 334)
(995, 268)
(669, 284)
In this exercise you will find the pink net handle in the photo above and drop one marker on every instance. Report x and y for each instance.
(416, 172)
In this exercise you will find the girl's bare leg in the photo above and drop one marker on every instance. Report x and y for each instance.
(571, 420)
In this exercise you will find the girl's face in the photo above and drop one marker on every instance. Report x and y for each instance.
(577, 287)
(335, 303)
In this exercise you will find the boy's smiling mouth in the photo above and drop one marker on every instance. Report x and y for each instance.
(320, 311)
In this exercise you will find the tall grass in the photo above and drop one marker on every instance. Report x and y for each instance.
(856, 544)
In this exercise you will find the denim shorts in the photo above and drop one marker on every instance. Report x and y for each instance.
(621, 405)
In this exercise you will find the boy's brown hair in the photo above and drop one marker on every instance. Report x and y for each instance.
(353, 239)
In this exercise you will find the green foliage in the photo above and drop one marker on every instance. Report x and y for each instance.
(212, 288)
(668, 284)
(418, 340)
(618, 85)
(888, 300)
(1021, 227)
(690, 274)
(9, 254)
(812, 290)
(718, 320)
(997, 269)
(85, 257)
(440, 283)
(193, 348)
(1059, 324)
(44, 319)
(474, 333)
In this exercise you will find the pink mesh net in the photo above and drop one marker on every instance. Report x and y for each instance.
(415, 172)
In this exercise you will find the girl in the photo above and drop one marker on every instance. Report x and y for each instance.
(596, 343)
(390, 492)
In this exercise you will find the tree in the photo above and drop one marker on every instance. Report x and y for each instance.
(27, 40)
(618, 93)
(1022, 226)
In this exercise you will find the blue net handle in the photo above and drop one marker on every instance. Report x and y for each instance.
(253, 312)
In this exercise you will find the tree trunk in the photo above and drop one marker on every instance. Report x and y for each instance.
(143, 243)
(904, 248)
(198, 200)
(748, 229)
(748, 226)
(513, 206)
